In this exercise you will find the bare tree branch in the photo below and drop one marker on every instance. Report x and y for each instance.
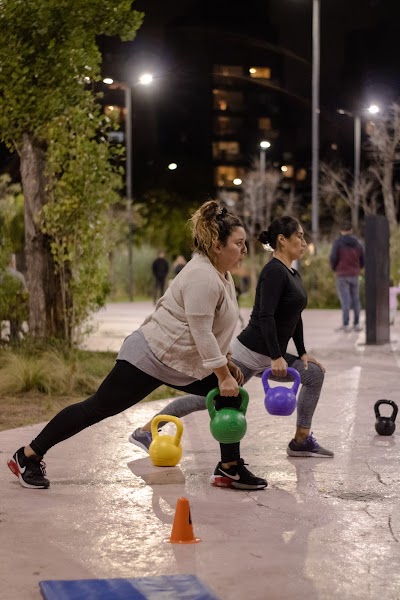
(384, 144)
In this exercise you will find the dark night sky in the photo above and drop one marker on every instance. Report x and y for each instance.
(293, 18)
(360, 52)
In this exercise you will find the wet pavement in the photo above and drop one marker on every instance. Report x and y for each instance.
(323, 529)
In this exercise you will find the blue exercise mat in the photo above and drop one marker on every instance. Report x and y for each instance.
(167, 587)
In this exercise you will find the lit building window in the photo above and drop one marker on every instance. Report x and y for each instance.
(228, 70)
(227, 100)
(264, 124)
(225, 150)
(225, 175)
(227, 125)
(287, 170)
(301, 175)
(260, 72)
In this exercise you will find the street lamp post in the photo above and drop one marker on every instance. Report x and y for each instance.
(144, 79)
(357, 161)
(128, 179)
(315, 121)
(373, 109)
(264, 145)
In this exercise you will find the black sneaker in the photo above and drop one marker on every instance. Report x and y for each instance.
(30, 471)
(237, 476)
(309, 447)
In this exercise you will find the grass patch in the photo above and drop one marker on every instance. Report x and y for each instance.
(37, 381)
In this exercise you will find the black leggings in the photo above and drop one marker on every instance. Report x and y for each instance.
(123, 387)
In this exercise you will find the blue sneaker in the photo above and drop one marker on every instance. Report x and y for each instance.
(309, 447)
(141, 438)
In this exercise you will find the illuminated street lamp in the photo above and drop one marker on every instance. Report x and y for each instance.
(144, 79)
(264, 145)
(372, 109)
(172, 166)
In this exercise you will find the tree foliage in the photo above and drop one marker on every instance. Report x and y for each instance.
(49, 58)
(338, 193)
(164, 221)
(256, 207)
(11, 218)
(48, 50)
(384, 144)
(378, 190)
(81, 188)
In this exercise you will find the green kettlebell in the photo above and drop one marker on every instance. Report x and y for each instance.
(227, 425)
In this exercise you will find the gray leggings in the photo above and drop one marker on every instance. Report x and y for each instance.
(311, 380)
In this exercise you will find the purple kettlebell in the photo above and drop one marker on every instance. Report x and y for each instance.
(280, 400)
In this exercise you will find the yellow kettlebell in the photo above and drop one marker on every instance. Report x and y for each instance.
(165, 450)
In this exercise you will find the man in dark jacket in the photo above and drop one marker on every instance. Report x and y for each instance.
(347, 259)
(160, 269)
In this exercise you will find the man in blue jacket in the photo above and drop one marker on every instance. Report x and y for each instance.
(347, 259)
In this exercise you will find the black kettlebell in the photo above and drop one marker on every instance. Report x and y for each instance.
(385, 425)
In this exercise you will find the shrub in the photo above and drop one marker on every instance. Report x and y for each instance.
(319, 279)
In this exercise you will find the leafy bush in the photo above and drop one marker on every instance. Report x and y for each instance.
(13, 299)
(142, 273)
(395, 256)
(319, 279)
(53, 369)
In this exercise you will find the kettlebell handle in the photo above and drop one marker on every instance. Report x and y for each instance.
(391, 403)
(295, 374)
(215, 392)
(178, 423)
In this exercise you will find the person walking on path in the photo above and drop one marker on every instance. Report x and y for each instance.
(178, 264)
(347, 260)
(276, 317)
(160, 268)
(184, 343)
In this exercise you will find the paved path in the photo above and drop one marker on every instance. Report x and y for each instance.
(323, 529)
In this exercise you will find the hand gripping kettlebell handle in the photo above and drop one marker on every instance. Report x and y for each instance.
(391, 403)
(295, 374)
(215, 392)
(178, 423)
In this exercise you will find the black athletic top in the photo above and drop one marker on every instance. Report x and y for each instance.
(276, 316)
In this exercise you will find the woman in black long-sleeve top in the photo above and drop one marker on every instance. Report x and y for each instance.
(275, 319)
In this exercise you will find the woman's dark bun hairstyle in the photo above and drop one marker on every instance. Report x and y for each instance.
(286, 226)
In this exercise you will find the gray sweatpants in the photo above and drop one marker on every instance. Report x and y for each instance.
(311, 380)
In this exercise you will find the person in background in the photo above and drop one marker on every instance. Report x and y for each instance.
(160, 268)
(394, 291)
(184, 343)
(178, 264)
(276, 317)
(347, 260)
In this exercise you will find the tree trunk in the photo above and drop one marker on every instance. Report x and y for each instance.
(387, 192)
(45, 311)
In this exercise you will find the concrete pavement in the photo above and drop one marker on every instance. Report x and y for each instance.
(323, 529)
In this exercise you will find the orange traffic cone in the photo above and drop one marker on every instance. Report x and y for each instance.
(182, 529)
